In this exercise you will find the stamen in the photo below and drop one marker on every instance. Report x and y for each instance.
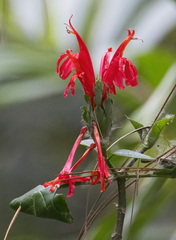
(68, 30)
(137, 39)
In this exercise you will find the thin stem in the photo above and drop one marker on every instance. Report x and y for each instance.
(97, 211)
(88, 217)
(129, 133)
(12, 221)
(164, 105)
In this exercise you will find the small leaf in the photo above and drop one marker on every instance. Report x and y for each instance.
(132, 154)
(87, 142)
(154, 133)
(43, 203)
(142, 133)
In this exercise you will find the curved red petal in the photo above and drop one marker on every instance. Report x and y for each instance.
(123, 45)
(102, 167)
(131, 74)
(71, 85)
(59, 61)
(66, 68)
(68, 164)
(105, 63)
(85, 64)
(116, 72)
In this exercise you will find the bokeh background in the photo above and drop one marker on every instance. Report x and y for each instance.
(38, 126)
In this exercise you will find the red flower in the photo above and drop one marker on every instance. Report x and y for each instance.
(118, 69)
(82, 64)
(65, 175)
(111, 73)
(102, 172)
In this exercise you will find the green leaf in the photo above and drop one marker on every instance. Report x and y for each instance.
(142, 133)
(87, 142)
(43, 203)
(154, 133)
(132, 154)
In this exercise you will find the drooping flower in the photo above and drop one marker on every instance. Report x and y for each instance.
(118, 69)
(102, 171)
(66, 176)
(82, 64)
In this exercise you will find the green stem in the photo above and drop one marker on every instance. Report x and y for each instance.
(121, 209)
(104, 152)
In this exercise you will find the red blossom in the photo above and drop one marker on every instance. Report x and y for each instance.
(118, 69)
(82, 64)
(102, 171)
(112, 73)
(66, 176)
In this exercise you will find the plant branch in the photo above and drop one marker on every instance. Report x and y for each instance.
(121, 209)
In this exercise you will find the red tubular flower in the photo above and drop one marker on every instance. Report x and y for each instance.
(111, 73)
(65, 175)
(118, 69)
(82, 64)
(102, 172)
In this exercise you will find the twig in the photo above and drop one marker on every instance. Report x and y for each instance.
(12, 221)
(164, 104)
(129, 133)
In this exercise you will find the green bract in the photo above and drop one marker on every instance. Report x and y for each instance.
(101, 114)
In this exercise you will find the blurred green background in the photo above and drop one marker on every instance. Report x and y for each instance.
(38, 126)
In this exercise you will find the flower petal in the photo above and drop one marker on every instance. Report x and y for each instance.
(121, 48)
(66, 68)
(116, 72)
(102, 167)
(59, 61)
(68, 164)
(72, 84)
(104, 63)
(91, 147)
(130, 74)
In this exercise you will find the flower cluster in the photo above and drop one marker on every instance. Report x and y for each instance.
(112, 73)
(67, 176)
